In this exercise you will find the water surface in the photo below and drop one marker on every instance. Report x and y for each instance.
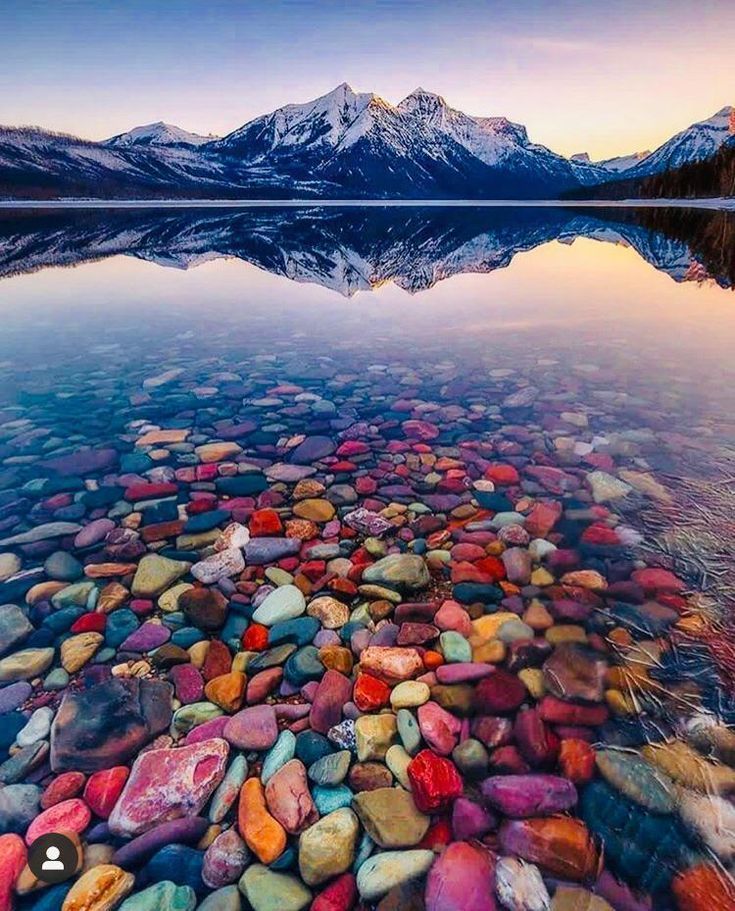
(432, 342)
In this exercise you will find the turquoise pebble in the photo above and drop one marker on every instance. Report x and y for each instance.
(283, 750)
(327, 800)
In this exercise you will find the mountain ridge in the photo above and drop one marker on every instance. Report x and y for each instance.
(342, 144)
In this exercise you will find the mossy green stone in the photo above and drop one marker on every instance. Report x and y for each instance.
(163, 896)
(269, 891)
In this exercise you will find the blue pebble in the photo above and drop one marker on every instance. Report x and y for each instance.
(186, 636)
(206, 521)
(135, 463)
(40, 638)
(10, 725)
(120, 624)
(303, 666)
(180, 864)
(364, 849)
(327, 800)
(286, 861)
(311, 746)
(234, 627)
(51, 899)
(282, 751)
(300, 631)
(61, 620)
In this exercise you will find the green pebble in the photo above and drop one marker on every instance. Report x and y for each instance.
(278, 576)
(332, 769)
(190, 716)
(455, 648)
(163, 896)
(408, 731)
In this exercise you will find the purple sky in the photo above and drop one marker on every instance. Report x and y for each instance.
(583, 75)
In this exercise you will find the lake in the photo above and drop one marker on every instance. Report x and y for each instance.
(448, 488)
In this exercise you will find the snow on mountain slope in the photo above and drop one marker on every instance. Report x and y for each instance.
(489, 138)
(421, 145)
(699, 141)
(158, 134)
(314, 126)
(617, 165)
(342, 144)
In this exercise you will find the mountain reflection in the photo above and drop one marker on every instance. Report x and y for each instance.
(360, 248)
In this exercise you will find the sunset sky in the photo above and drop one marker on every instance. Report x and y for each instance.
(583, 75)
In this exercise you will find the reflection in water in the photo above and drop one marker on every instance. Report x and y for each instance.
(532, 440)
(356, 249)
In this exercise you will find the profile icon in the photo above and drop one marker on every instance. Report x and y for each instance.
(53, 858)
(52, 861)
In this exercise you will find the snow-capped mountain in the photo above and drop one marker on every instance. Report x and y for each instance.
(344, 144)
(699, 141)
(615, 165)
(158, 134)
(420, 145)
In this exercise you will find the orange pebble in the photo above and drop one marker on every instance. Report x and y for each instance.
(704, 888)
(620, 636)
(263, 834)
(432, 660)
(577, 760)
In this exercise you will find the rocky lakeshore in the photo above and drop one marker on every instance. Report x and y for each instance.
(351, 641)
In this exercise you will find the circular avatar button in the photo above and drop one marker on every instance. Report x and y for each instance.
(53, 858)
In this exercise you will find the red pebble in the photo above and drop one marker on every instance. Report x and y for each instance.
(340, 895)
(435, 781)
(90, 623)
(438, 835)
(12, 861)
(493, 567)
(508, 761)
(145, 491)
(218, 660)
(502, 475)
(538, 744)
(556, 711)
(103, 790)
(265, 523)
(600, 534)
(343, 466)
(197, 507)
(343, 586)
(255, 638)
(313, 569)
(365, 485)
(654, 579)
(352, 448)
(577, 761)
(63, 787)
(501, 692)
(370, 693)
(72, 815)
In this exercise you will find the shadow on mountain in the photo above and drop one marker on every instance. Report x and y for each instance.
(355, 249)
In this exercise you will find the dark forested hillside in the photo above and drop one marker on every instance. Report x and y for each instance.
(713, 177)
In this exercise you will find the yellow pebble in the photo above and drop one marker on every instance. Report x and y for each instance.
(533, 679)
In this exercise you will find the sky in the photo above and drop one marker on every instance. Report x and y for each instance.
(583, 75)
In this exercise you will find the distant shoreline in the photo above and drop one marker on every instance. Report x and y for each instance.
(718, 203)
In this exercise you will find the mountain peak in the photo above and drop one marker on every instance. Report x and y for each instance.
(158, 134)
(422, 98)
